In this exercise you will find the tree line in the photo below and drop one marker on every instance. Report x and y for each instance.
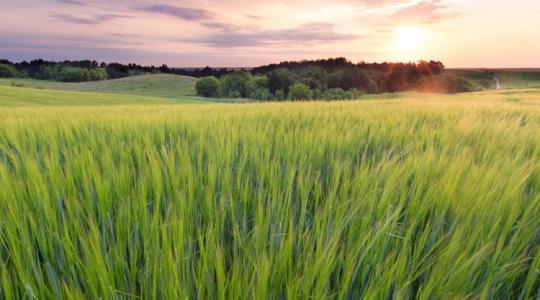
(333, 78)
(91, 70)
(328, 79)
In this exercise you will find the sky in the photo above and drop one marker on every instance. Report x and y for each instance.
(235, 33)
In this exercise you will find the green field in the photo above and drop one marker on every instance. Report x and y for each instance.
(510, 79)
(18, 97)
(158, 85)
(519, 79)
(480, 80)
(428, 197)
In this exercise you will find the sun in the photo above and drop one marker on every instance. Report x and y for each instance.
(410, 38)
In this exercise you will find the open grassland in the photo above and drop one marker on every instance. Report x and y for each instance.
(479, 80)
(432, 197)
(519, 79)
(158, 85)
(17, 97)
(509, 78)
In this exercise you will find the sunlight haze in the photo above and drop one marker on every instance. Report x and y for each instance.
(229, 33)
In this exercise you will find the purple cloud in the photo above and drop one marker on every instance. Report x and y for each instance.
(306, 34)
(184, 13)
(221, 26)
(96, 19)
(73, 2)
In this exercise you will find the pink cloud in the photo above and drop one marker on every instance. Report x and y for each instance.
(424, 12)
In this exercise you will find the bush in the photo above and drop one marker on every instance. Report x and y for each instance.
(261, 94)
(255, 86)
(208, 87)
(461, 85)
(335, 94)
(98, 74)
(233, 85)
(9, 71)
(234, 94)
(280, 95)
(300, 91)
(17, 84)
(353, 94)
(340, 94)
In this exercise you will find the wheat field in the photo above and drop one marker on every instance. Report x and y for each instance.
(425, 196)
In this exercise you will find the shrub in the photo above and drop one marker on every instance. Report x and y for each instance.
(260, 94)
(353, 94)
(234, 94)
(17, 84)
(208, 87)
(334, 94)
(233, 85)
(340, 94)
(300, 91)
(98, 74)
(460, 85)
(255, 86)
(279, 95)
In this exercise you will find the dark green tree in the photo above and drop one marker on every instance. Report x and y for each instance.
(349, 78)
(257, 88)
(9, 71)
(208, 87)
(280, 79)
(300, 91)
(315, 77)
(233, 85)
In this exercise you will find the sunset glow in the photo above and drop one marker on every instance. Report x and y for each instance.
(410, 38)
(461, 33)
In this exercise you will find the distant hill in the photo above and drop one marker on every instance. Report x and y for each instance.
(519, 78)
(17, 96)
(158, 85)
(509, 78)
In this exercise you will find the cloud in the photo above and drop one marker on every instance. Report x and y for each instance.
(96, 19)
(254, 17)
(73, 2)
(424, 12)
(221, 26)
(379, 3)
(184, 13)
(307, 34)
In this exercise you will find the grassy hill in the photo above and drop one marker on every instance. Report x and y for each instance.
(510, 78)
(17, 96)
(422, 196)
(480, 80)
(519, 79)
(158, 85)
